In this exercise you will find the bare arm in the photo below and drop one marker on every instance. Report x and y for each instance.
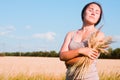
(65, 53)
(95, 55)
(72, 61)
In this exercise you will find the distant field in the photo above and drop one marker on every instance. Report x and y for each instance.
(45, 65)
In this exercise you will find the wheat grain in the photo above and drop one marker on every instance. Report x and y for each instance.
(79, 69)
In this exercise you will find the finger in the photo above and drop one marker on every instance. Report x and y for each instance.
(92, 56)
(94, 50)
(100, 40)
(95, 54)
(89, 55)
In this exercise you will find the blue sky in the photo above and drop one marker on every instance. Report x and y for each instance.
(41, 25)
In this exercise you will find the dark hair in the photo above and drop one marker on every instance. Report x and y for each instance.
(83, 10)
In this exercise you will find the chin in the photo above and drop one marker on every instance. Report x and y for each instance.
(91, 23)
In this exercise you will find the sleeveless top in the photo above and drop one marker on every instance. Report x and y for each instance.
(92, 71)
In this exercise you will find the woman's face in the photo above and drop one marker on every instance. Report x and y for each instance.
(92, 14)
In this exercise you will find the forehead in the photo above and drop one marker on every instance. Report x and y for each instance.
(95, 6)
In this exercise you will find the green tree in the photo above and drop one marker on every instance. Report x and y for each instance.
(116, 53)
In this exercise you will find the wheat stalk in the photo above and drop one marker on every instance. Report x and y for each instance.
(79, 69)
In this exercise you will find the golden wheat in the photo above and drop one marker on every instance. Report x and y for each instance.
(79, 69)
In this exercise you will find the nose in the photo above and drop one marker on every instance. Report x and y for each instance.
(93, 13)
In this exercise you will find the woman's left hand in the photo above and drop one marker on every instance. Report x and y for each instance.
(94, 54)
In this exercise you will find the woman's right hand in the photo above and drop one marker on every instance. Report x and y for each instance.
(89, 52)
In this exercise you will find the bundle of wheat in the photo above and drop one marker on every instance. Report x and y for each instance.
(81, 67)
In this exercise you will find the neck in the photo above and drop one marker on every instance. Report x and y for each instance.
(88, 28)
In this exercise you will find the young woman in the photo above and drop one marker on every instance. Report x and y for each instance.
(75, 42)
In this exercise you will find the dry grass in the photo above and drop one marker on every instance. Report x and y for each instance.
(11, 66)
(31, 65)
(108, 65)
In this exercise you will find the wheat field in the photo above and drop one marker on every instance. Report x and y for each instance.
(11, 66)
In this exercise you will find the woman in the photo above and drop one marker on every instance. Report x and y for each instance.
(75, 43)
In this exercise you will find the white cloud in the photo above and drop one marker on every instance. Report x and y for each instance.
(10, 28)
(19, 37)
(3, 33)
(48, 35)
(6, 30)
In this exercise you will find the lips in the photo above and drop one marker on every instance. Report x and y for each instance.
(92, 17)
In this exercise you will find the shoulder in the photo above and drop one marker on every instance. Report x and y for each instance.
(70, 33)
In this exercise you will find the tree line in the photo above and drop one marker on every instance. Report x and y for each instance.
(112, 54)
